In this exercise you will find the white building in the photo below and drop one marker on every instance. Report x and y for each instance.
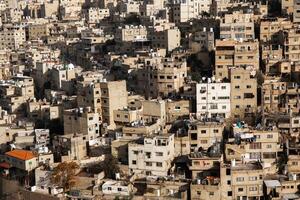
(112, 187)
(184, 10)
(95, 15)
(153, 156)
(213, 99)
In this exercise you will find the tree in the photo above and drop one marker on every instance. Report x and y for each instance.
(63, 175)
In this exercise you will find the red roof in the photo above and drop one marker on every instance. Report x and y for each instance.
(20, 154)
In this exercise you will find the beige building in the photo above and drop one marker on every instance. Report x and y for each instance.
(243, 96)
(270, 27)
(12, 37)
(232, 53)
(151, 156)
(253, 145)
(70, 147)
(95, 15)
(205, 134)
(131, 34)
(104, 98)
(83, 121)
(162, 76)
(238, 26)
(38, 31)
(167, 39)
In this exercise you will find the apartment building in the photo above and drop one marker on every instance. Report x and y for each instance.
(241, 180)
(70, 147)
(131, 34)
(239, 26)
(203, 135)
(287, 7)
(213, 99)
(243, 96)
(83, 121)
(129, 7)
(272, 90)
(12, 37)
(270, 28)
(166, 39)
(296, 13)
(202, 40)
(36, 31)
(104, 98)
(232, 53)
(253, 145)
(291, 44)
(162, 76)
(183, 11)
(95, 15)
(152, 155)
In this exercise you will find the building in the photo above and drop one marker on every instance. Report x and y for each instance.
(243, 96)
(239, 26)
(204, 135)
(167, 39)
(213, 99)
(151, 156)
(22, 159)
(232, 53)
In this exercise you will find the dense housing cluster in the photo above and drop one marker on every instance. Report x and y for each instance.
(149, 99)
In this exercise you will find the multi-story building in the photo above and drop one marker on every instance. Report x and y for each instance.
(232, 53)
(12, 37)
(131, 34)
(104, 98)
(95, 15)
(203, 135)
(213, 99)
(152, 155)
(83, 121)
(270, 27)
(243, 96)
(168, 39)
(253, 145)
(238, 26)
(203, 40)
(162, 76)
(183, 11)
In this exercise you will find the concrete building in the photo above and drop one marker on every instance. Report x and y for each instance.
(70, 147)
(95, 15)
(232, 53)
(203, 135)
(104, 98)
(237, 26)
(153, 156)
(131, 34)
(162, 76)
(82, 120)
(243, 96)
(213, 99)
(167, 39)
(183, 11)
(12, 37)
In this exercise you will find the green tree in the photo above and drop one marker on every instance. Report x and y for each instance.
(63, 175)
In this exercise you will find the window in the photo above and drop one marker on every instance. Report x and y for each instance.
(159, 164)
(216, 130)
(211, 193)
(248, 86)
(269, 136)
(203, 131)
(294, 163)
(203, 141)
(252, 178)
(109, 188)
(194, 136)
(252, 188)
(223, 87)
(237, 77)
(240, 189)
(229, 193)
(149, 164)
(269, 146)
(134, 162)
(159, 153)
(239, 179)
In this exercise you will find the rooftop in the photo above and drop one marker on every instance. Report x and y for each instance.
(21, 154)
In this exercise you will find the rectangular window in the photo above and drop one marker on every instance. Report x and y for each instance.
(239, 179)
